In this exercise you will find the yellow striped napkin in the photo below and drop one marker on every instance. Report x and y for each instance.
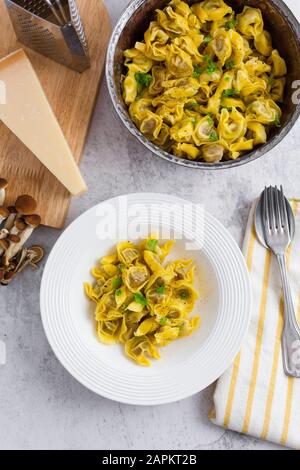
(255, 396)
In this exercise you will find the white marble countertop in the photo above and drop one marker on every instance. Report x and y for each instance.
(41, 405)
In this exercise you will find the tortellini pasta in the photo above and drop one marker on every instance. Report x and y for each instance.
(205, 83)
(141, 301)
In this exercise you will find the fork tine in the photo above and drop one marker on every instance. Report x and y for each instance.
(266, 208)
(271, 208)
(284, 216)
(277, 208)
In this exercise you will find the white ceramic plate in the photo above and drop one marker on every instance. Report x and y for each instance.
(187, 365)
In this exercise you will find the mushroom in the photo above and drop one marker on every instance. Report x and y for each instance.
(37, 254)
(18, 227)
(14, 238)
(11, 218)
(32, 222)
(4, 245)
(25, 205)
(3, 233)
(4, 213)
(7, 278)
(31, 256)
(3, 186)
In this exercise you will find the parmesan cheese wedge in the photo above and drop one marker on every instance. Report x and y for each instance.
(28, 114)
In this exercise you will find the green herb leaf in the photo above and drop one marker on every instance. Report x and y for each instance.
(140, 299)
(213, 136)
(161, 290)
(152, 244)
(207, 39)
(143, 80)
(230, 24)
(228, 93)
(163, 321)
(211, 68)
(277, 122)
(210, 120)
(229, 64)
(211, 65)
(197, 70)
(118, 292)
(117, 282)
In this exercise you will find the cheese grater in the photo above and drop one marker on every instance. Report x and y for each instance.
(55, 32)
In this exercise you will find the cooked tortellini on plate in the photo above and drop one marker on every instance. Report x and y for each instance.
(205, 83)
(141, 301)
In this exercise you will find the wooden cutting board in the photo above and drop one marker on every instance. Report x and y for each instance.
(72, 96)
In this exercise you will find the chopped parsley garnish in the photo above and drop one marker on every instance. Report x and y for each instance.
(143, 80)
(118, 292)
(197, 70)
(207, 39)
(229, 93)
(277, 122)
(152, 244)
(213, 136)
(211, 65)
(210, 120)
(161, 290)
(140, 299)
(230, 24)
(229, 64)
(163, 321)
(117, 282)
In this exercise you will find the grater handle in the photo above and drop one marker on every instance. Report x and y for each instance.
(77, 23)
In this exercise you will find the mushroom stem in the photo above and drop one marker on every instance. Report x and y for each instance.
(9, 223)
(3, 233)
(3, 186)
(4, 245)
(4, 213)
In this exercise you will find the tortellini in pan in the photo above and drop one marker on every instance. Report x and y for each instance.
(205, 83)
(141, 301)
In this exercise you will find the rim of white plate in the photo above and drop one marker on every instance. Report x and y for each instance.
(199, 370)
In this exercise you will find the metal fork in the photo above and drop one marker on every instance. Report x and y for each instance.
(278, 238)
